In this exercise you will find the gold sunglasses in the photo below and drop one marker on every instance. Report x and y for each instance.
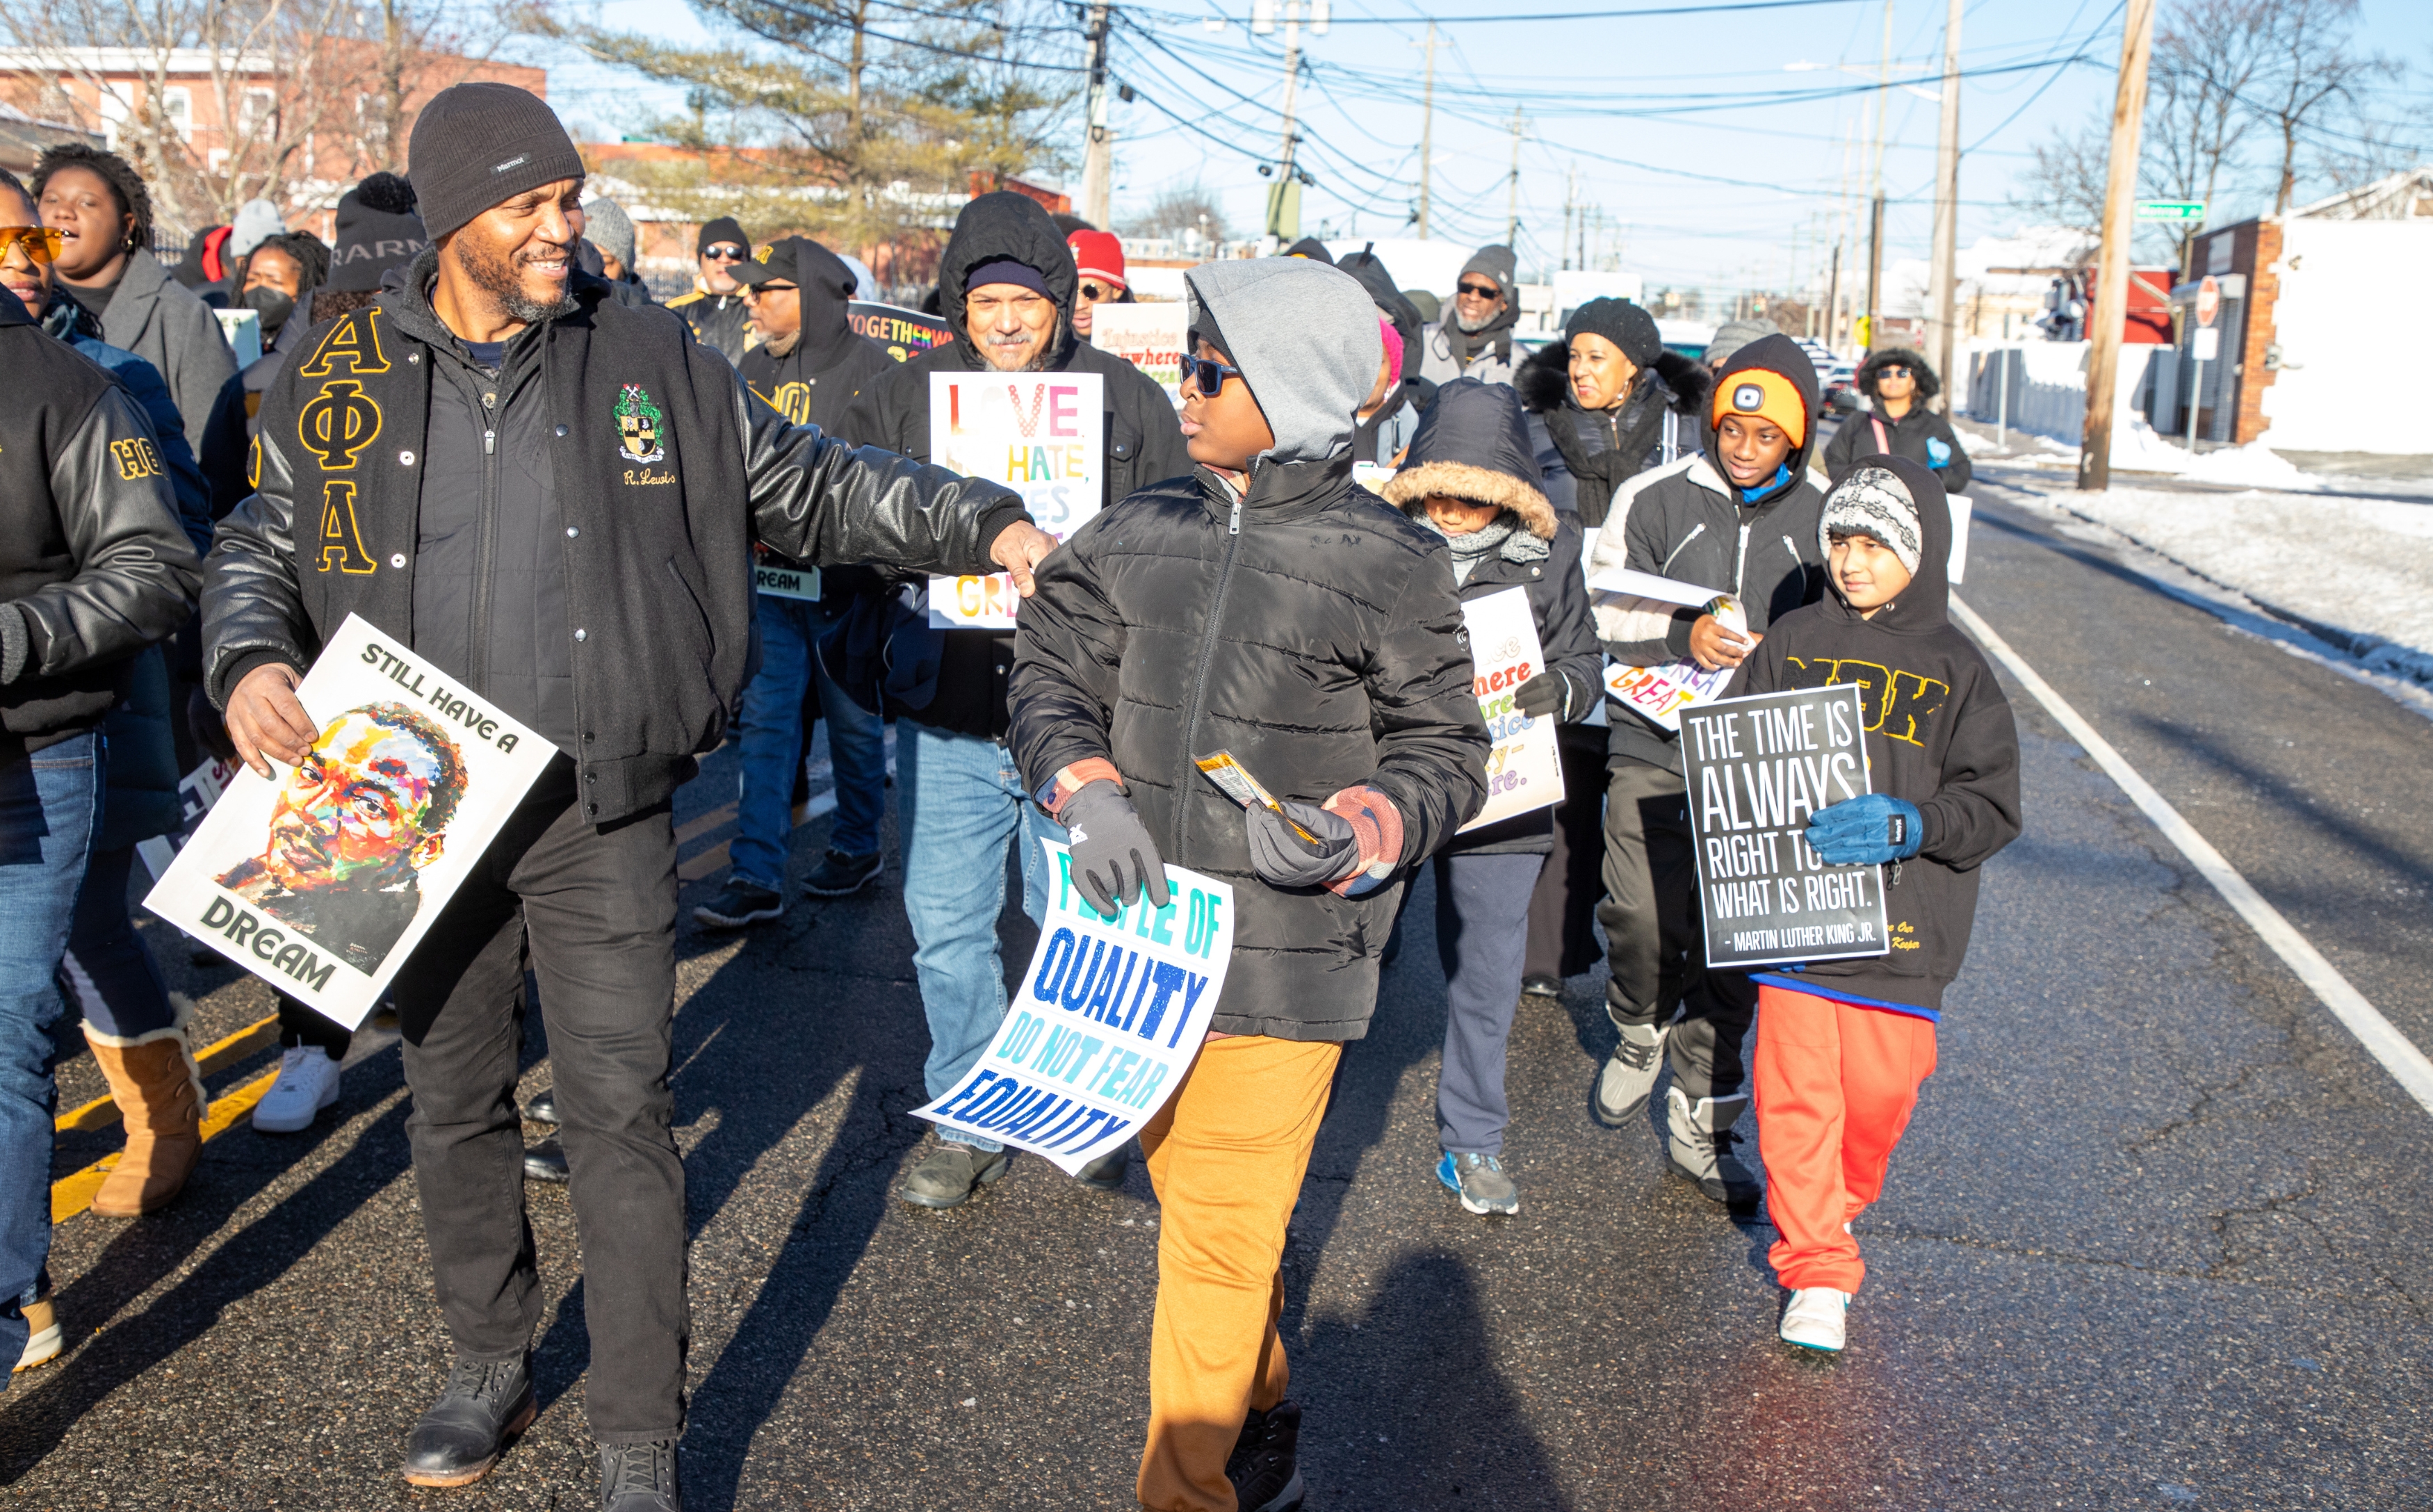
(42, 243)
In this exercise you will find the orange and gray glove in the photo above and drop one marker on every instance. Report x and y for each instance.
(1356, 844)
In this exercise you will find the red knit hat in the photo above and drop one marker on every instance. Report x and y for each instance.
(1099, 255)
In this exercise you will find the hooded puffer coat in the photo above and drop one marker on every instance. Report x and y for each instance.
(1663, 422)
(1922, 436)
(1474, 445)
(1939, 734)
(1301, 624)
(1143, 437)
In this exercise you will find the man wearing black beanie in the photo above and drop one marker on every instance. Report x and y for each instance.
(714, 308)
(571, 541)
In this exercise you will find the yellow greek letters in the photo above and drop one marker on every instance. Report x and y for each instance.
(355, 342)
(342, 542)
(338, 423)
(136, 459)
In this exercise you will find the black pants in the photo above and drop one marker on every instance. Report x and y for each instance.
(1563, 943)
(594, 911)
(1655, 943)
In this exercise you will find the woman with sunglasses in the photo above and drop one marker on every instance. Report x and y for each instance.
(1897, 384)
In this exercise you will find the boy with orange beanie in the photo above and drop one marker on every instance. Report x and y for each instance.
(1739, 518)
(1843, 1045)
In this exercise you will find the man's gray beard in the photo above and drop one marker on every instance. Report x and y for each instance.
(1473, 327)
(500, 281)
(1036, 363)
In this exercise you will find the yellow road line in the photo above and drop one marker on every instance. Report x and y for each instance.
(103, 1113)
(72, 1195)
(697, 867)
(694, 829)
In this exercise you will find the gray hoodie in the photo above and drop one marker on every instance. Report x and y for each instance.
(1288, 314)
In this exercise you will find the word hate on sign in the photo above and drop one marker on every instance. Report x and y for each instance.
(1758, 770)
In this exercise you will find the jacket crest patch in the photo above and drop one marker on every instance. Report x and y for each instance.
(639, 424)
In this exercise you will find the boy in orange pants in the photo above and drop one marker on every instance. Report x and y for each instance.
(1843, 1045)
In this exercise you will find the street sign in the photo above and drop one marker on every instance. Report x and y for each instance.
(2170, 209)
(2208, 301)
(2208, 344)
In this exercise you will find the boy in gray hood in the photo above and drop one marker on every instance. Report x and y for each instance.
(1267, 606)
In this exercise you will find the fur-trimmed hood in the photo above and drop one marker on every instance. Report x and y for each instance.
(1544, 381)
(1927, 384)
(1473, 444)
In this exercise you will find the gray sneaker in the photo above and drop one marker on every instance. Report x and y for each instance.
(1698, 1141)
(1629, 1075)
(1480, 1183)
(951, 1174)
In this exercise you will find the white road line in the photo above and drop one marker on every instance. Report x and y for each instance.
(2398, 1055)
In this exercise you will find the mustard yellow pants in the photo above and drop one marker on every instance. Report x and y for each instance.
(1226, 1156)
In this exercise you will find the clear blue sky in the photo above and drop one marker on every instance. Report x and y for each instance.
(1710, 159)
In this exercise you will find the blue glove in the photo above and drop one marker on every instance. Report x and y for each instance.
(1938, 451)
(1866, 831)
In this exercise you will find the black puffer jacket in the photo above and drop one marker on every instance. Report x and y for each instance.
(1474, 445)
(1663, 422)
(1143, 436)
(1924, 437)
(1305, 628)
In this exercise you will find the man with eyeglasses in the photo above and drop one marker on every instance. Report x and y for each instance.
(1476, 341)
(1006, 284)
(715, 308)
(1099, 256)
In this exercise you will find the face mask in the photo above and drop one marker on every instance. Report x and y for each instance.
(274, 305)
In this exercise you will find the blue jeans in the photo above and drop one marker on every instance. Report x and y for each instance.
(960, 804)
(770, 735)
(49, 804)
(1482, 934)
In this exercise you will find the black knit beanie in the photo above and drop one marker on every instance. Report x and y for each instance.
(377, 230)
(1621, 322)
(481, 145)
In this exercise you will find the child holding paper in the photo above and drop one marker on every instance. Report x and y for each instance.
(1268, 608)
(1843, 1045)
(1470, 478)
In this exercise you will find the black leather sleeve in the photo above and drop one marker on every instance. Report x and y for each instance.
(817, 499)
(136, 572)
(252, 609)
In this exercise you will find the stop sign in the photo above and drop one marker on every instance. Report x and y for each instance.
(2208, 301)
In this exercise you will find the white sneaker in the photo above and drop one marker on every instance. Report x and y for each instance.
(1815, 1318)
(308, 1082)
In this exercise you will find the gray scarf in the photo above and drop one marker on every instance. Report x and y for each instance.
(1501, 536)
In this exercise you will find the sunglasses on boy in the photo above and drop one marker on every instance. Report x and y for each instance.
(42, 243)
(1096, 292)
(1207, 375)
(724, 252)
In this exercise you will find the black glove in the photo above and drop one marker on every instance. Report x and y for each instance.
(1283, 858)
(1113, 854)
(1549, 692)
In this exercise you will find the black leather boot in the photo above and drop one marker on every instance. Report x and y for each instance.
(639, 1477)
(486, 1403)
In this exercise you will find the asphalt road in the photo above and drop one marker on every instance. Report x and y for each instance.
(2151, 1242)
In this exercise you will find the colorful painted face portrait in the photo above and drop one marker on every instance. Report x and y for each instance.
(372, 798)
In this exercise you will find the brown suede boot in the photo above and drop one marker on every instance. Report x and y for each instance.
(159, 1096)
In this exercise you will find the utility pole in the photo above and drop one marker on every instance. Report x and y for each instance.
(1943, 282)
(1283, 198)
(1571, 192)
(1098, 150)
(2111, 274)
(1833, 298)
(1428, 124)
(1876, 234)
(1512, 195)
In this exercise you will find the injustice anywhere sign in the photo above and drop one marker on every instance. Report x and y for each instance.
(1758, 769)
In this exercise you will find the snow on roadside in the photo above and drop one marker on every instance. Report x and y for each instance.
(2360, 568)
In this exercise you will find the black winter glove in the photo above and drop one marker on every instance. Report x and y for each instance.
(1549, 692)
(1283, 858)
(1114, 857)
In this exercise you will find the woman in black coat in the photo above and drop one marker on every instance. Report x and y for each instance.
(1470, 478)
(1897, 383)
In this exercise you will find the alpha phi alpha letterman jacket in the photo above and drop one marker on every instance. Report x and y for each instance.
(660, 473)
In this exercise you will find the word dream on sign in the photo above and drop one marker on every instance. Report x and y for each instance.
(1757, 768)
(1041, 434)
(1523, 770)
(1107, 1021)
(1149, 336)
(322, 881)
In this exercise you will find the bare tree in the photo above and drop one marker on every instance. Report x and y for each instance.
(2309, 73)
(2207, 56)
(1176, 211)
(2066, 185)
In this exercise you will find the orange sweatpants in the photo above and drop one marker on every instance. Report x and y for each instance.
(1226, 1155)
(1835, 1086)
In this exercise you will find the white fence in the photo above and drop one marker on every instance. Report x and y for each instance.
(2041, 386)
